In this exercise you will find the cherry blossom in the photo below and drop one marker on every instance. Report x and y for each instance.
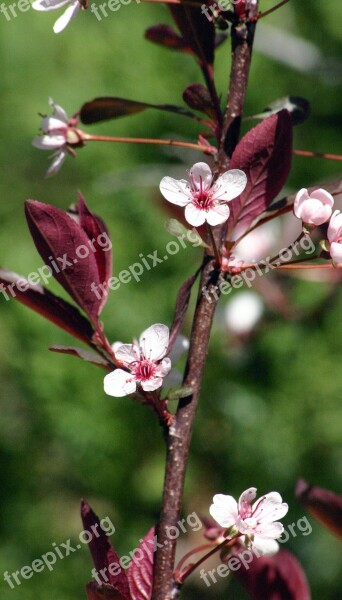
(204, 200)
(144, 360)
(254, 521)
(59, 134)
(335, 237)
(314, 208)
(70, 12)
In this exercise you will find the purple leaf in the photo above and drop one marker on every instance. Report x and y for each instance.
(56, 310)
(91, 357)
(182, 303)
(102, 592)
(103, 553)
(264, 154)
(102, 109)
(140, 570)
(323, 505)
(98, 235)
(197, 31)
(198, 98)
(62, 243)
(278, 577)
(164, 35)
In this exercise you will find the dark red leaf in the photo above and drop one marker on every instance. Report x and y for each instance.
(264, 154)
(278, 577)
(197, 31)
(323, 505)
(197, 97)
(104, 554)
(91, 357)
(102, 592)
(164, 35)
(182, 303)
(56, 310)
(140, 570)
(99, 238)
(102, 109)
(62, 242)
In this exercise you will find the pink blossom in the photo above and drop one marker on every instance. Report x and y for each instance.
(204, 200)
(314, 208)
(145, 363)
(59, 134)
(70, 12)
(335, 237)
(254, 521)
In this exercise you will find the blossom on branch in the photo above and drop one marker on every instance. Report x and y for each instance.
(145, 361)
(315, 208)
(254, 521)
(335, 237)
(59, 134)
(70, 12)
(204, 200)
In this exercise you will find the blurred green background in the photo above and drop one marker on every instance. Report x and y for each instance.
(269, 409)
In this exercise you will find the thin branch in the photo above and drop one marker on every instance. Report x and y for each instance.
(271, 10)
(128, 140)
(317, 154)
(179, 434)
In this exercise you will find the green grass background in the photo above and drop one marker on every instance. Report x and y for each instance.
(263, 420)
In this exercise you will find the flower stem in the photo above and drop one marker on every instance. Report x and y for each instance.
(271, 10)
(128, 140)
(194, 566)
(213, 243)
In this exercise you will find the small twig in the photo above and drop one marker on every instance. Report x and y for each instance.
(213, 243)
(271, 10)
(317, 154)
(128, 140)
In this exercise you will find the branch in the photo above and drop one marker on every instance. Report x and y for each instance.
(179, 434)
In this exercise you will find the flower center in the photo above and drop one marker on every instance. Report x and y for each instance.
(144, 370)
(202, 197)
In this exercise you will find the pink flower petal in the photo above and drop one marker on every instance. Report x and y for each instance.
(152, 384)
(154, 341)
(125, 353)
(218, 214)
(119, 383)
(66, 17)
(230, 185)
(336, 252)
(48, 142)
(56, 164)
(245, 501)
(194, 215)
(175, 191)
(201, 176)
(164, 367)
(323, 196)
(224, 510)
(269, 508)
(335, 226)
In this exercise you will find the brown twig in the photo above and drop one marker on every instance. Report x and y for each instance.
(179, 434)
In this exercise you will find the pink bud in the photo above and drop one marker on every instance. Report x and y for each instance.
(335, 237)
(314, 208)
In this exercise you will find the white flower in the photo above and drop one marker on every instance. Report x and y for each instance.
(64, 20)
(335, 237)
(144, 361)
(255, 521)
(204, 200)
(58, 135)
